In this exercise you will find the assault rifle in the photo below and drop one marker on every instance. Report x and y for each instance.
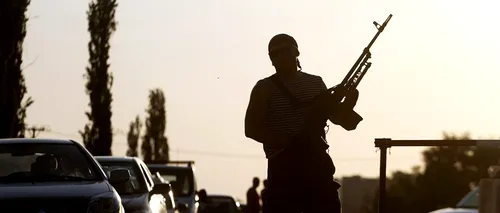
(330, 103)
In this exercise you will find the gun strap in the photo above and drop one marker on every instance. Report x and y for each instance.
(293, 100)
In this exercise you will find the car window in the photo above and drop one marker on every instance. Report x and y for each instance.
(136, 184)
(224, 204)
(27, 162)
(471, 200)
(147, 175)
(181, 180)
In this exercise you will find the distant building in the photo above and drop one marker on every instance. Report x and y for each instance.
(357, 194)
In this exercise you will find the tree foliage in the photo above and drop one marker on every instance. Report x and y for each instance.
(13, 105)
(155, 144)
(133, 136)
(448, 174)
(97, 134)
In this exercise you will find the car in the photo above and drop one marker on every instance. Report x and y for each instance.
(139, 194)
(468, 204)
(181, 176)
(54, 175)
(169, 195)
(243, 207)
(224, 203)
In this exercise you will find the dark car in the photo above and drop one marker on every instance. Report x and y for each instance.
(139, 194)
(45, 175)
(243, 207)
(223, 204)
(181, 176)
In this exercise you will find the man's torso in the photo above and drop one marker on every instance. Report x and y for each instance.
(284, 118)
(253, 199)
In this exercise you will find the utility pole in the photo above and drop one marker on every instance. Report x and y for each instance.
(36, 129)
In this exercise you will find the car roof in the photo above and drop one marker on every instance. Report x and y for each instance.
(115, 158)
(160, 166)
(173, 164)
(35, 141)
(220, 196)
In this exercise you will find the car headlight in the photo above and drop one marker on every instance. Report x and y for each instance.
(109, 202)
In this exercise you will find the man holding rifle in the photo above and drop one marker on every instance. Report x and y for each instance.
(285, 115)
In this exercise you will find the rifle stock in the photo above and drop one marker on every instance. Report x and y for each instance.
(347, 119)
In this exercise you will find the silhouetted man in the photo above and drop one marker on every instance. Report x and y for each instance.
(300, 171)
(263, 192)
(253, 199)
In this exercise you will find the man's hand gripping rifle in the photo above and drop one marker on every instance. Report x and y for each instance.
(337, 103)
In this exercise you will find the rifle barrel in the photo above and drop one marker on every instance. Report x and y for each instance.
(362, 59)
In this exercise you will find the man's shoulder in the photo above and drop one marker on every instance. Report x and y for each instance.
(311, 76)
(265, 80)
(263, 84)
(302, 74)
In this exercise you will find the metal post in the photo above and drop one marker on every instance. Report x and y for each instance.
(381, 143)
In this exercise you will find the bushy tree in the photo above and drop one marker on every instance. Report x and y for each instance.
(155, 144)
(13, 105)
(97, 134)
(447, 175)
(133, 136)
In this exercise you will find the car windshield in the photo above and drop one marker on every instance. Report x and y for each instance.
(181, 180)
(223, 204)
(470, 201)
(136, 183)
(37, 162)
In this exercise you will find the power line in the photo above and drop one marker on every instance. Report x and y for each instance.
(63, 134)
(246, 156)
(219, 154)
(233, 155)
(117, 132)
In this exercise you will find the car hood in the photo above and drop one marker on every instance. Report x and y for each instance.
(455, 210)
(53, 189)
(135, 201)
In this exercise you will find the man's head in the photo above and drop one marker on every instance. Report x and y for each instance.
(255, 182)
(283, 51)
(264, 182)
(45, 164)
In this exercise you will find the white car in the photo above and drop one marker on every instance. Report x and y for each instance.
(169, 195)
(468, 204)
(183, 181)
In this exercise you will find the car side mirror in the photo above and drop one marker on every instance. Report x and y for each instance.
(181, 207)
(161, 188)
(118, 176)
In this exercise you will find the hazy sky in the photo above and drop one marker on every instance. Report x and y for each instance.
(434, 69)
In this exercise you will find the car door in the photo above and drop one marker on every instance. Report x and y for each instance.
(156, 201)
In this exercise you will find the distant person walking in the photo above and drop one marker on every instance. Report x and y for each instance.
(263, 192)
(253, 198)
